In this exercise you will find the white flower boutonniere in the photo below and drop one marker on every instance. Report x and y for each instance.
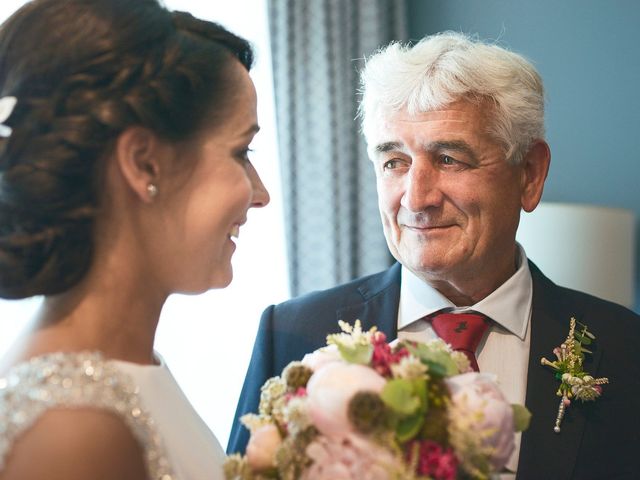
(575, 383)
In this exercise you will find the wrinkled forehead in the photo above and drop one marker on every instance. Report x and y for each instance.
(462, 117)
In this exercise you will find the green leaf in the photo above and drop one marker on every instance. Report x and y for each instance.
(439, 362)
(420, 389)
(360, 354)
(399, 396)
(585, 331)
(584, 340)
(521, 417)
(409, 427)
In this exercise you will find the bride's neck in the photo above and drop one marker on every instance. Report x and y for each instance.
(114, 309)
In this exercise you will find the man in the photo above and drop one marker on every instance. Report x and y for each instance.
(455, 131)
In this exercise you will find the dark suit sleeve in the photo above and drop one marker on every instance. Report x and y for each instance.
(260, 369)
(298, 326)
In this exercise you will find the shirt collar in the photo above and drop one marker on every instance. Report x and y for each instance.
(509, 305)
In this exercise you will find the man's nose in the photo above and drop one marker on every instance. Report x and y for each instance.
(422, 188)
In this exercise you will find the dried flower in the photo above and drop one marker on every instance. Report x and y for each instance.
(574, 381)
(296, 375)
(368, 413)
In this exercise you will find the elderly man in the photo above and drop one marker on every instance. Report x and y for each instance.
(455, 132)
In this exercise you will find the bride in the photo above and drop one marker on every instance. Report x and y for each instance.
(124, 177)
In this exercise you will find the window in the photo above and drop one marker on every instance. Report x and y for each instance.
(206, 340)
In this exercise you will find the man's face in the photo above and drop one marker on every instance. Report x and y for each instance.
(449, 200)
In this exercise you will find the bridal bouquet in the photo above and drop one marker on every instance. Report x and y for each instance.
(362, 408)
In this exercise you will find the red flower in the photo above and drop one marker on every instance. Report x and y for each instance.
(383, 356)
(433, 460)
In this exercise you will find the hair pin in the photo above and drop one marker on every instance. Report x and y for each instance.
(7, 104)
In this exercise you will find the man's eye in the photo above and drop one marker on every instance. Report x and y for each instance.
(390, 164)
(447, 160)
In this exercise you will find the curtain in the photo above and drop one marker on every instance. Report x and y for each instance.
(332, 224)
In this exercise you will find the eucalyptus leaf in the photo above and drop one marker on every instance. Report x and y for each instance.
(420, 389)
(439, 362)
(521, 417)
(399, 396)
(409, 427)
(360, 354)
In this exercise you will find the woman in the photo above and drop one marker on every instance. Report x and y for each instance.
(124, 178)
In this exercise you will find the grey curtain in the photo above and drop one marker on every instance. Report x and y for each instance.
(332, 222)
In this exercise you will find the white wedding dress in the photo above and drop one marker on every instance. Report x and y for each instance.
(176, 442)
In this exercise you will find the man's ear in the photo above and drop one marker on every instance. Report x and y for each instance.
(535, 166)
(137, 153)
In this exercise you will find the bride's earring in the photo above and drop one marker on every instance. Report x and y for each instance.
(152, 190)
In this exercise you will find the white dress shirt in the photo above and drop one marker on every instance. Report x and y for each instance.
(505, 349)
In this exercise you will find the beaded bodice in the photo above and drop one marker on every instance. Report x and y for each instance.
(73, 380)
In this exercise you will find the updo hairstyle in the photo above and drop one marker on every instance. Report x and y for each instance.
(83, 71)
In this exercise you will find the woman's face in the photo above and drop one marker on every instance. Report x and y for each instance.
(205, 208)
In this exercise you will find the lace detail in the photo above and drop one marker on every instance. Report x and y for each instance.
(71, 380)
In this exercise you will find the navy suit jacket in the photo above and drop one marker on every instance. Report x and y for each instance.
(599, 440)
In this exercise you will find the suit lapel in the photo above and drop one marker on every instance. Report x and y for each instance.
(379, 308)
(543, 451)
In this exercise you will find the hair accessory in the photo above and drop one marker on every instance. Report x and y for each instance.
(152, 190)
(7, 104)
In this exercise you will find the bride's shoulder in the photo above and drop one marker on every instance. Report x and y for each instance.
(77, 404)
(74, 444)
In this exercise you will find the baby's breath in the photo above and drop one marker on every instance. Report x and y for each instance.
(409, 368)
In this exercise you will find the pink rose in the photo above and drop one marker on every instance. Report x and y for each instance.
(262, 447)
(324, 356)
(351, 458)
(331, 388)
(476, 393)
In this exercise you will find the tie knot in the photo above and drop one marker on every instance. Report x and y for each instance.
(463, 331)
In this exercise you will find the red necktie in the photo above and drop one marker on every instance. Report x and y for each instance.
(463, 331)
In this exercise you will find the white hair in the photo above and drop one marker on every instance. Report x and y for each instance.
(451, 66)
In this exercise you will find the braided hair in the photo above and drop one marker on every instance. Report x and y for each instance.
(83, 71)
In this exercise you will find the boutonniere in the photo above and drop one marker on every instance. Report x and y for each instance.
(575, 383)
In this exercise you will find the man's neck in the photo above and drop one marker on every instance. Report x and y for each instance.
(465, 289)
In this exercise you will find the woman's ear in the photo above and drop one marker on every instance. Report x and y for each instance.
(138, 154)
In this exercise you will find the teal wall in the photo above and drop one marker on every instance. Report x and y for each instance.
(588, 53)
